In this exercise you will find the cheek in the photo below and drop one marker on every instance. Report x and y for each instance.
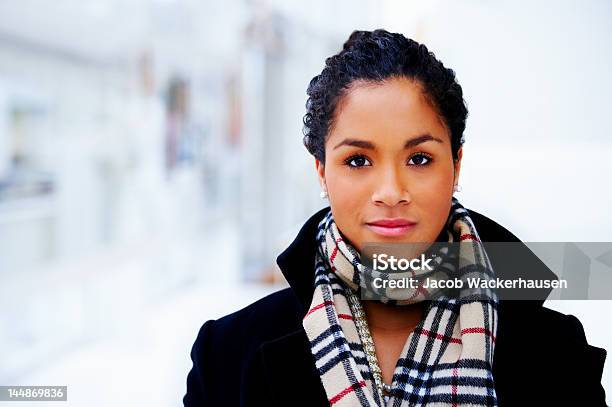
(433, 188)
(349, 200)
(349, 191)
(347, 188)
(433, 195)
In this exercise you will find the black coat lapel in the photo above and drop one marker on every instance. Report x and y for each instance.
(290, 373)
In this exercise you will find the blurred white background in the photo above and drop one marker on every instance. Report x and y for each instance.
(151, 163)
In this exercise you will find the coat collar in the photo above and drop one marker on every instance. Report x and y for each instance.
(297, 260)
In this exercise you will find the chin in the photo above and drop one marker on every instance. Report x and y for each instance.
(375, 238)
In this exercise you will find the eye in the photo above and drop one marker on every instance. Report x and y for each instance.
(419, 159)
(357, 161)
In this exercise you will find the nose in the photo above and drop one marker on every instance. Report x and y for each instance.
(390, 189)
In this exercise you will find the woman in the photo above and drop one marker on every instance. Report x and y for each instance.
(385, 122)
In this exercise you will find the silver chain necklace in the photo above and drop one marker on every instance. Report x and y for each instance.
(363, 330)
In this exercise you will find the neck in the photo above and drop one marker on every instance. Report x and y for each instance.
(388, 318)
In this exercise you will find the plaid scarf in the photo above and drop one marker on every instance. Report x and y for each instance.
(447, 359)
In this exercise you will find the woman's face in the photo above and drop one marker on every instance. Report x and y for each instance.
(389, 170)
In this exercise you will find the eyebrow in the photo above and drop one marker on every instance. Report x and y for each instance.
(370, 146)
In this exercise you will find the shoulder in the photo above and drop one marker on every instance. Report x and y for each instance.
(227, 347)
(549, 331)
(549, 344)
(260, 321)
(569, 332)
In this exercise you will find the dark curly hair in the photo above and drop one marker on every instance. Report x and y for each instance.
(374, 56)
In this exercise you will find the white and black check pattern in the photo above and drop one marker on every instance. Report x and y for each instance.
(447, 359)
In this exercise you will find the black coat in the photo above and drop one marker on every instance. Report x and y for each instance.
(260, 355)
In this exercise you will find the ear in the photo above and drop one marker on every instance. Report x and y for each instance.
(321, 173)
(457, 164)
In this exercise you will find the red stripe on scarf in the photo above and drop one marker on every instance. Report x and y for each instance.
(316, 307)
(335, 251)
(345, 316)
(469, 236)
(478, 330)
(346, 391)
(427, 332)
(333, 255)
(419, 289)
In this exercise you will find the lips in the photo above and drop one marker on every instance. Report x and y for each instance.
(391, 226)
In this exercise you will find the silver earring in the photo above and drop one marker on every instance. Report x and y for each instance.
(457, 188)
(323, 194)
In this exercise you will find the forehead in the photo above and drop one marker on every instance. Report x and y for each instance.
(395, 108)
